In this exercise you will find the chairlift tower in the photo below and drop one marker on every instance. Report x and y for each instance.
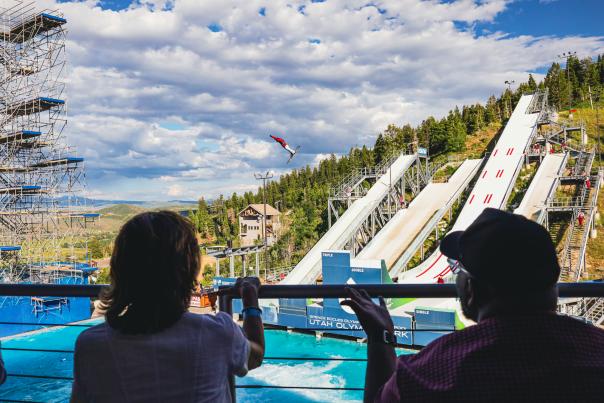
(39, 173)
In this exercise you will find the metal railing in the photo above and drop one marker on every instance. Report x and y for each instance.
(347, 187)
(566, 290)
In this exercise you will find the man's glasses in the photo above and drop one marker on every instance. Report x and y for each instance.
(457, 267)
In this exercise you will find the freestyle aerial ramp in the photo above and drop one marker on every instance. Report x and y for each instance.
(492, 187)
(428, 206)
(543, 184)
(309, 268)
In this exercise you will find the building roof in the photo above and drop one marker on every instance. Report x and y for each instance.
(270, 210)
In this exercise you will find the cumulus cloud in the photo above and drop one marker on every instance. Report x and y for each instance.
(328, 76)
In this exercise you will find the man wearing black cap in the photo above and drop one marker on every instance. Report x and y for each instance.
(519, 350)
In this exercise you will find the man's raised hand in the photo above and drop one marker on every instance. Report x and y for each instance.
(374, 318)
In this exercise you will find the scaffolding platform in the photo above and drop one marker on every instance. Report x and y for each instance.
(33, 144)
(58, 161)
(9, 169)
(36, 25)
(35, 105)
(19, 136)
(28, 189)
(86, 215)
(6, 248)
(65, 267)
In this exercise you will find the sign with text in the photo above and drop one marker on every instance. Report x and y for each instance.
(338, 321)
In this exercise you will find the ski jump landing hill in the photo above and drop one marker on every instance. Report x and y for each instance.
(493, 186)
(309, 268)
(542, 185)
(381, 257)
(431, 203)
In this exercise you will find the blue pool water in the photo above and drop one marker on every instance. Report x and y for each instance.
(280, 373)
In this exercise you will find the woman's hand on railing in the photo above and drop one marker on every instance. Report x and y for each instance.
(247, 288)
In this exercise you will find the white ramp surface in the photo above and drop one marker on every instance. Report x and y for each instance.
(392, 240)
(492, 187)
(541, 186)
(309, 268)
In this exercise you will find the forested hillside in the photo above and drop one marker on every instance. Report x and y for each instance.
(302, 194)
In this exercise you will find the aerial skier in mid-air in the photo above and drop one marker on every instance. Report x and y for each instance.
(284, 144)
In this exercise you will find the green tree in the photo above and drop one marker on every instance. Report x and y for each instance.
(532, 84)
(95, 248)
(103, 276)
(492, 112)
(381, 148)
(456, 133)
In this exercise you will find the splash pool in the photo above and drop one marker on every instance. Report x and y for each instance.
(278, 373)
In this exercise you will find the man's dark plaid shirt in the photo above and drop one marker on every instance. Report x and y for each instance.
(527, 358)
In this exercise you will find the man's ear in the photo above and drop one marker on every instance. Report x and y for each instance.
(470, 290)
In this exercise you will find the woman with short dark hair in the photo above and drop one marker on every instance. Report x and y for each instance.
(151, 348)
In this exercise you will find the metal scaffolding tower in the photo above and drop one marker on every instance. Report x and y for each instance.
(39, 174)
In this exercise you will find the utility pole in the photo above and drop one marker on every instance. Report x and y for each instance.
(390, 193)
(509, 84)
(566, 56)
(591, 101)
(263, 178)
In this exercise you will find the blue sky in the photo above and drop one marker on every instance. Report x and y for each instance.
(176, 99)
(549, 17)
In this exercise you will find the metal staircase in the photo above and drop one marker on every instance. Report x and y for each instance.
(539, 102)
(595, 313)
(572, 254)
(583, 164)
(590, 309)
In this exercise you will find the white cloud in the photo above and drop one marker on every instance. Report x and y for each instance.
(395, 61)
(320, 157)
(176, 191)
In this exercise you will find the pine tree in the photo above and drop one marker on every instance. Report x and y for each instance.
(202, 219)
(438, 136)
(456, 133)
(531, 83)
(380, 149)
(552, 84)
(492, 113)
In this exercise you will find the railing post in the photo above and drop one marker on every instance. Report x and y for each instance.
(225, 304)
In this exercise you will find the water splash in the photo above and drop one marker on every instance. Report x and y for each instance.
(313, 374)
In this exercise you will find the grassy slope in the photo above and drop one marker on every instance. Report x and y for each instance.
(113, 217)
